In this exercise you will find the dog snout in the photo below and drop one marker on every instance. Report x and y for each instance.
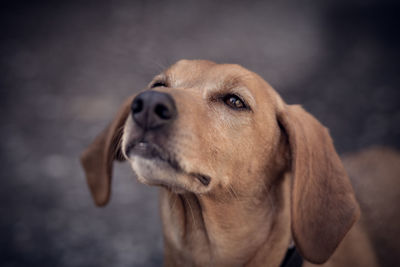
(152, 109)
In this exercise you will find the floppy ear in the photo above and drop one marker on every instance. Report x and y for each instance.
(323, 205)
(98, 158)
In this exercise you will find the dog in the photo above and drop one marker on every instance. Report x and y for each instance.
(243, 176)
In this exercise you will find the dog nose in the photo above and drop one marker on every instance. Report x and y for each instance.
(152, 109)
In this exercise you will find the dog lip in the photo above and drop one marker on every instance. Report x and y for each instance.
(151, 151)
(148, 150)
(145, 150)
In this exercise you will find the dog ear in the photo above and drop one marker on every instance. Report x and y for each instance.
(98, 158)
(323, 205)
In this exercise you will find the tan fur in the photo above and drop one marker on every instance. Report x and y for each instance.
(275, 175)
(375, 174)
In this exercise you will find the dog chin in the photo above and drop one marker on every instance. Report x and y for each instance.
(156, 172)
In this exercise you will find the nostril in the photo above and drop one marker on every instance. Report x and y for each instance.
(152, 109)
(137, 106)
(163, 112)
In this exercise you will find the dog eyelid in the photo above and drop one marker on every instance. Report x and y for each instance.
(235, 102)
(159, 84)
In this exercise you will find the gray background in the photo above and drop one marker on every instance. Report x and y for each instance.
(66, 66)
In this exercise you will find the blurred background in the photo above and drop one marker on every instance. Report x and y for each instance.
(66, 66)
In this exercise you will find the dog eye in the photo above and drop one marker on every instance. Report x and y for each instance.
(159, 84)
(234, 102)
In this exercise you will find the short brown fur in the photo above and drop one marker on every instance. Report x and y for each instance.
(275, 175)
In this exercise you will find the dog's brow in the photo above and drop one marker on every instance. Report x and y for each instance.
(162, 78)
(245, 93)
(232, 84)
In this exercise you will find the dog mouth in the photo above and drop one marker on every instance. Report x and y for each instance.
(152, 151)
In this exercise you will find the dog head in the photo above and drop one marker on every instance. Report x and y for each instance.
(204, 128)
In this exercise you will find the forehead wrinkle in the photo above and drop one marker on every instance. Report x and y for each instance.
(187, 79)
(171, 78)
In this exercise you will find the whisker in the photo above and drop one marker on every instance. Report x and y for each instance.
(157, 62)
(191, 211)
(117, 145)
(269, 196)
(230, 192)
(233, 191)
(173, 202)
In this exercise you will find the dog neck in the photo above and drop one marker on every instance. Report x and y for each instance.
(225, 229)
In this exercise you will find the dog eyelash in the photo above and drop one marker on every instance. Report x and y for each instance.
(159, 84)
(235, 102)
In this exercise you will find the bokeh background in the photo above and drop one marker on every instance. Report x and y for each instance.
(67, 65)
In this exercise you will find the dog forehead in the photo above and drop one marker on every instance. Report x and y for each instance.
(204, 74)
(210, 78)
(189, 69)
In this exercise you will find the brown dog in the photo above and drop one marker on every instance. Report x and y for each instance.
(242, 174)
